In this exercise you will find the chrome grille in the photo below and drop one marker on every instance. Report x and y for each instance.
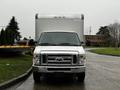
(58, 59)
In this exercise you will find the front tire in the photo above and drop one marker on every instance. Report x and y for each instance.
(81, 77)
(36, 76)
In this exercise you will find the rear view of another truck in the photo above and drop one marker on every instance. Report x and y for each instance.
(59, 49)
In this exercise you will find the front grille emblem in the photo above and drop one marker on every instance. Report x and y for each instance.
(59, 58)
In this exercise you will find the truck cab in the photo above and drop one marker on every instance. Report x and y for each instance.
(58, 52)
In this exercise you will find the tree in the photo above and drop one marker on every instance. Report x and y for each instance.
(114, 30)
(9, 37)
(31, 42)
(10, 34)
(13, 27)
(25, 38)
(3, 37)
(105, 32)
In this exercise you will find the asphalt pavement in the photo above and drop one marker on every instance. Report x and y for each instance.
(102, 73)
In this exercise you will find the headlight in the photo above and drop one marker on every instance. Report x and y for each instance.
(81, 59)
(36, 59)
(35, 56)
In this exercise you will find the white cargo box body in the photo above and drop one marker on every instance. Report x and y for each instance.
(59, 24)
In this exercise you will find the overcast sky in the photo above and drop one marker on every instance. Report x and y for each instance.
(97, 12)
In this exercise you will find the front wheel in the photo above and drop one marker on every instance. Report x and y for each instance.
(36, 76)
(81, 77)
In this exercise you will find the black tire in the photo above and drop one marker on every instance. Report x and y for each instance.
(81, 77)
(36, 76)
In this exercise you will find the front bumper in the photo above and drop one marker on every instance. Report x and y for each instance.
(61, 69)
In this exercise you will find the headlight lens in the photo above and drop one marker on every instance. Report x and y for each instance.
(36, 56)
(81, 59)
(36, 59)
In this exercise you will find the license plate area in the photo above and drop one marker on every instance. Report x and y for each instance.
(58, 69)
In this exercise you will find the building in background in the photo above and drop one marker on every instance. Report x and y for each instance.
(95, 40)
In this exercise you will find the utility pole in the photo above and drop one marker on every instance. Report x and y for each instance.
(90, 30)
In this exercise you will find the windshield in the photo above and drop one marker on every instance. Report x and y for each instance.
(59, 39)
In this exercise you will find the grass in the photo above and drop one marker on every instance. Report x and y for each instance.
(107, 51)
(14, 66)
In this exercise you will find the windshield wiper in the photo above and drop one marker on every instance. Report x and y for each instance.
(47, 44)
(67, 44)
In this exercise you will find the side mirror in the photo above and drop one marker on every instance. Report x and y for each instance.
(35, 42)
(82, 43)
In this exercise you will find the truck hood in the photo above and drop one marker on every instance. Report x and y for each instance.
(59, 49)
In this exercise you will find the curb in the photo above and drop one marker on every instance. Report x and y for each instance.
(15, 80)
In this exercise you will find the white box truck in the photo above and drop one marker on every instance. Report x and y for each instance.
(59, 47)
